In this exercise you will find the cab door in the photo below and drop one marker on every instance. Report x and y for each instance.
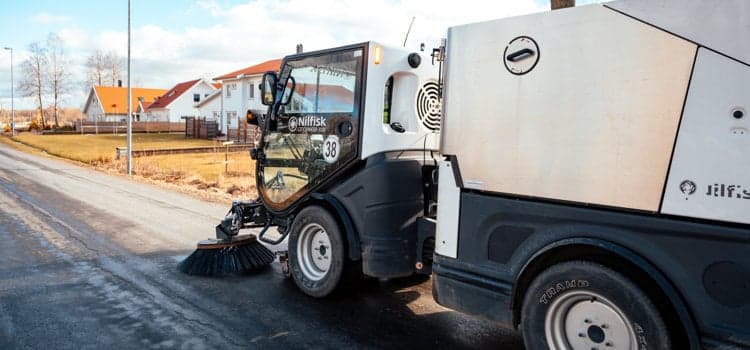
(316, 133)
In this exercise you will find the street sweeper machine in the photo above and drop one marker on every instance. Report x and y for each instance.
(581, 175)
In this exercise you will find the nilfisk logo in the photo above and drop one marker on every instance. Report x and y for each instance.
(688, 188)
(305, 122)
(727, 191)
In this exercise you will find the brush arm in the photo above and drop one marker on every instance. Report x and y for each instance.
(243, 214)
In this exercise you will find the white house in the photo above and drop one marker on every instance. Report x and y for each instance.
(109, 103)
(180, 101)
(240, 94)
(210, 106)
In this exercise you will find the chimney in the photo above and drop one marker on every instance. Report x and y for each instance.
(119, 83)
(560, 4)
(299, 48)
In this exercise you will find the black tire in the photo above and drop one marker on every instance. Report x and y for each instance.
(340, 272)
(567, 293)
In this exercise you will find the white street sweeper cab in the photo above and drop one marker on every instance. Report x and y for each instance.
(593, 181)
(346, 148)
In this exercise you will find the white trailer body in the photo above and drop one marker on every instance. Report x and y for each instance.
(612, 134)
(594, 193)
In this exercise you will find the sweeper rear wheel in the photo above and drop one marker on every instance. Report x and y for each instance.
(214, 257)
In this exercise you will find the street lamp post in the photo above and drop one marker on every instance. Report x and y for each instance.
(12, 97)
(130, 105)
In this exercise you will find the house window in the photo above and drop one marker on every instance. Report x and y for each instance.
(252, 90)
(231, 115)
(196, 97)
(230, 87)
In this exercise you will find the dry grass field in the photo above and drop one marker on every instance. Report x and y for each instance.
(101, 148)
(200, 174)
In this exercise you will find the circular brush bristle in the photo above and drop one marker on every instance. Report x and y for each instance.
(228, 260)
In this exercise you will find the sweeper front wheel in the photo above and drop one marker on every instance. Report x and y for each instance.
(317, 253)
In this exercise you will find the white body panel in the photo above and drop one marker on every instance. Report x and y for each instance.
(712, 147)
(721, 25)
(593, 122)
(449, 199)
(378, 136)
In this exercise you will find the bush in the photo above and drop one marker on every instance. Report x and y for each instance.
(7, 127)
(34, 125)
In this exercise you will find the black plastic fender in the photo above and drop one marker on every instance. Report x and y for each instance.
(355, 247)
(683, 313)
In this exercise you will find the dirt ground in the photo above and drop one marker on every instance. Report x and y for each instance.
(203, 175)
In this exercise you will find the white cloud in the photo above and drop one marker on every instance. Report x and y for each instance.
(237, 36)
(46, 18)
(246, 34)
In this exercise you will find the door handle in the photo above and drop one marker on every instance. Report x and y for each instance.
(344, 128)
(520, 55)
(397, 127)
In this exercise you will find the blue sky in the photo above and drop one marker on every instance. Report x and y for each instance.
(180, 40)
(26, 21)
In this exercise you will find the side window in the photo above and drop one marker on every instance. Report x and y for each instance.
(325, 88)
(387, 101)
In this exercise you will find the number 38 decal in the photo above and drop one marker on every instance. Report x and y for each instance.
(331, 149)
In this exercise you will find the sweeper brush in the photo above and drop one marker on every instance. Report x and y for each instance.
(239, 255)
(231, 253)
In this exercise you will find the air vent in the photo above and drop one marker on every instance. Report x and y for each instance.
(428, 105)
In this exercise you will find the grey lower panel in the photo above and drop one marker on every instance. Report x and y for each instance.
(706, 263)
(471, 294)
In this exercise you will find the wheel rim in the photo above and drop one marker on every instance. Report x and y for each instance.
(586, 320)
(314, 251)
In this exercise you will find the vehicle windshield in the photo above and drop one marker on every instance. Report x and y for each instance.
(315, 132)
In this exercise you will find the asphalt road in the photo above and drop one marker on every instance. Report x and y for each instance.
(87, 261)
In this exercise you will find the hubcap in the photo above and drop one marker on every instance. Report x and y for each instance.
(586, 320)
(314, 251)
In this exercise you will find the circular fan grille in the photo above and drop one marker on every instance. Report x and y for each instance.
(428, 105)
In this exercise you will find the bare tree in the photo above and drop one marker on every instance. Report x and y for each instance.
(558, 4)
(96, 69)
(58, 77)
(114, 67)
(33, 69)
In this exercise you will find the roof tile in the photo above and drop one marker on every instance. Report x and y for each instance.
(272, 65)
(114, 99)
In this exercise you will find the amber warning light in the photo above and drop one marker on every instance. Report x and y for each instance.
(378, 54)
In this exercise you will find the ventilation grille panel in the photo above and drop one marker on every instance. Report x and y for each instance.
(429, 106)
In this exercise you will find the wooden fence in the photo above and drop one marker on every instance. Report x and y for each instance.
(121, 152)
(200, 128)
(103, 127)
(244, 133)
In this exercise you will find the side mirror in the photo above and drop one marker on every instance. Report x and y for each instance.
(268, 88)
(288, 91)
